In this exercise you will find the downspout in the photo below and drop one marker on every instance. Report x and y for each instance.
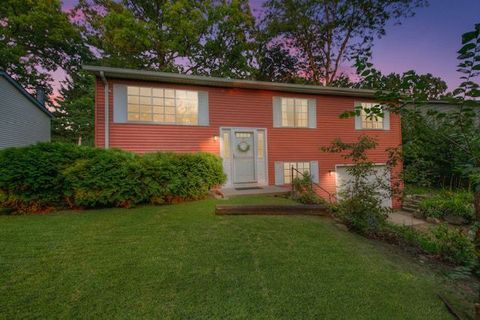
(107, 102)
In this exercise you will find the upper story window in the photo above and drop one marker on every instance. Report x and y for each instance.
(368, 121)
(158, 105)
(294, 112)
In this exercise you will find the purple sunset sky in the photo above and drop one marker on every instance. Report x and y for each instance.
(426, 43)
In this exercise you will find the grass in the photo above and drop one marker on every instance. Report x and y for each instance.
(182, 261)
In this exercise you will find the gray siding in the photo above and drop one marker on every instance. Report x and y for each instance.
(21, 122)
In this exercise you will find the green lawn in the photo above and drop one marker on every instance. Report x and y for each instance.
(182, 261)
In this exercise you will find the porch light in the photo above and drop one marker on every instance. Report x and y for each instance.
(330, 172)
(215, 138)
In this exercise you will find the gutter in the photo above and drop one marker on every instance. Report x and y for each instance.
(167, 77)
(107, 103)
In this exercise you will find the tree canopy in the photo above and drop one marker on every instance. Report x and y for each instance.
(323, 35)
(36, 39)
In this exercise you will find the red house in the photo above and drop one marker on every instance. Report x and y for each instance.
(260, 129)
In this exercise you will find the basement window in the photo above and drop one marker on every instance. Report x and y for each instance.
(302, 167)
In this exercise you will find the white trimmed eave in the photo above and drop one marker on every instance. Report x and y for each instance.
(166, 77)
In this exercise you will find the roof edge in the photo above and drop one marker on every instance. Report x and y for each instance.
(25, 93)
(133, 74)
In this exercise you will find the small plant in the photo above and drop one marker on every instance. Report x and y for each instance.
(360, 200)
(303, 191)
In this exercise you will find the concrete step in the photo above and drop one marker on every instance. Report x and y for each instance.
(409, 208)
(411, 204)
(416, 201)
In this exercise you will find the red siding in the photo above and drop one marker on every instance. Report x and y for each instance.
(249, 108)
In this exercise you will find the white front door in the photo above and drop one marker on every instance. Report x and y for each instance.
(244, 157)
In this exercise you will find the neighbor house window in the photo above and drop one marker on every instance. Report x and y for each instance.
(371, 121)
(294, 113)
(302, 167)
(158, 105)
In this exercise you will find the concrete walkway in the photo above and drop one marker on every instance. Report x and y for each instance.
(405, 219)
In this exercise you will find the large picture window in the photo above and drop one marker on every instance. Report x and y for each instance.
(159, 105)
(294, 112)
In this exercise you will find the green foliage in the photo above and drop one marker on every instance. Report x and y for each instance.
(31, 178)
(360, 200)
(36, 39)
(322, 35)
(47, 176)
(228, 46)
(172, 177)
(74, 114)
(454, 245)
(449, 203)
(451, 244)
(107, 179)
(303, 191)
(201, 37)
(410, 236)
(363, 212)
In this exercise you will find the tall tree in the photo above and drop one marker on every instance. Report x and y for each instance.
(227, 47)
(274, 63)
(143, 34)
(408, 83)
(212, 37)
(74, 114)
(324, 34)
(37, 38)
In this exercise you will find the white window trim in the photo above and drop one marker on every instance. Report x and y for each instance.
(174, 98)
(359, 120)
(294, 113)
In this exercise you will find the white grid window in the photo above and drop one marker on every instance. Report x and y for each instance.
(160, 105)
(294, 112)
(302, 167)
(370, 121)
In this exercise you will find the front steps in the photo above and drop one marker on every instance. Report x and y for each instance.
(411, 203)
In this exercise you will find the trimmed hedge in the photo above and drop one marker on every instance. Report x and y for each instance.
(53, 175)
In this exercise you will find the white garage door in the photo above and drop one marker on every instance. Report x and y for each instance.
(344, 178)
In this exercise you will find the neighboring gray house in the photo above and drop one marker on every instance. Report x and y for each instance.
(24, 120)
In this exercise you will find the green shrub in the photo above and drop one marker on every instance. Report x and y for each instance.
(454, 245)
(110, 178)
(54, 175)
(31, 178)
(173, 177)
(362, 213)
(449, 203)
(303, 190)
